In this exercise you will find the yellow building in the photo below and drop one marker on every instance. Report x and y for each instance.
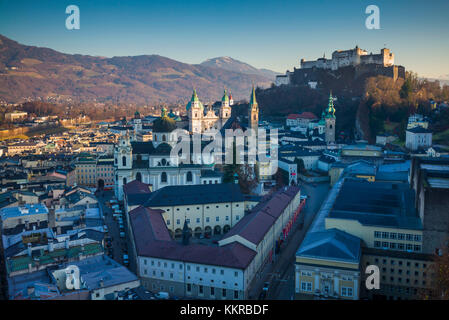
(327, 266)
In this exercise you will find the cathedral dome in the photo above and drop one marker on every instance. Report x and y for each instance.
(164, 124)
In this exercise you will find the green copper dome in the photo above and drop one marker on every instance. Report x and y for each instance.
(225, 97)
(164, 123)
(193, 100)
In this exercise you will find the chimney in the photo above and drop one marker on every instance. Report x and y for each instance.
(101, 283)
(29, 249)
(67, 246)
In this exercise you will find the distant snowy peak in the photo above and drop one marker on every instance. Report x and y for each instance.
(234, 65)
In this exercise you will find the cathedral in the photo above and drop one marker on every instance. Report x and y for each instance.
(151, 162)
(202, 119)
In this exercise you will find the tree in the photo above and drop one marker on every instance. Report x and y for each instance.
(406, 89)
(229, 170)
(247, 178)
(440, 287)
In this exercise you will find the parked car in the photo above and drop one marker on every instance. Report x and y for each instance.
(266, 286)
(162, 295)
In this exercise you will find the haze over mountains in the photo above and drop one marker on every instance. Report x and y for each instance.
(28, 72)
(231, 64)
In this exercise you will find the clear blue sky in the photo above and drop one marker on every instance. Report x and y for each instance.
(265, 34)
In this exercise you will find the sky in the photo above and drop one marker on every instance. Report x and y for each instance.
(266, 34)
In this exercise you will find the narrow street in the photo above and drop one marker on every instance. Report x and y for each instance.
(119, 245)
(280, 273)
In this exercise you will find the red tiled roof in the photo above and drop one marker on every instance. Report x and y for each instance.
(307, 115)
(293, 116)
(152, 239)
(256, 224)
(135, 187)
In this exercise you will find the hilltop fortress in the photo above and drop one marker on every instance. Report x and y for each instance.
(352, 57)
(354, 61)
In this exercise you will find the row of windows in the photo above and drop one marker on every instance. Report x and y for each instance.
(211, 291)
(400, 263)
(407, 280)
(210, 182)
(306, 286)
(198, 220)
(397, 246)
(207, 207)
(397, 236)
(198, 269)
(407, 272)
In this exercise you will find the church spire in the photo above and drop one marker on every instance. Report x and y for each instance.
(253, 101)
(225, 96)
(330, 107)
(194, 96)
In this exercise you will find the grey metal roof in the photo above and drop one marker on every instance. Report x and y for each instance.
(377, 204)
(194, 194)
(331, 244)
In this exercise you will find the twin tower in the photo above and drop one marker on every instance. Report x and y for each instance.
(201, 120)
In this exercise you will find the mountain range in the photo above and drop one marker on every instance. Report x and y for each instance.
(231, 64)
(29, 73)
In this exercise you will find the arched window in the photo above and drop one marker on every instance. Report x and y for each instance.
(163, 138)
(124, 161)
(139, 157)
(139, 176)
(124, 181)
(155, 137)
(189, 176)
(164, 177)
(164, 162)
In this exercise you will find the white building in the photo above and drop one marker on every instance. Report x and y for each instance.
(201, 120)
(282, 79)
(417, 138)
(202, 270)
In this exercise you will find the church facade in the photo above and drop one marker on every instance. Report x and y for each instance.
(202, 119)
(151, 162)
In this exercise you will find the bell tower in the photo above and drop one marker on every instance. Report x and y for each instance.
(330, 120)
(253, 112)
(225, 109)
(195, 111)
